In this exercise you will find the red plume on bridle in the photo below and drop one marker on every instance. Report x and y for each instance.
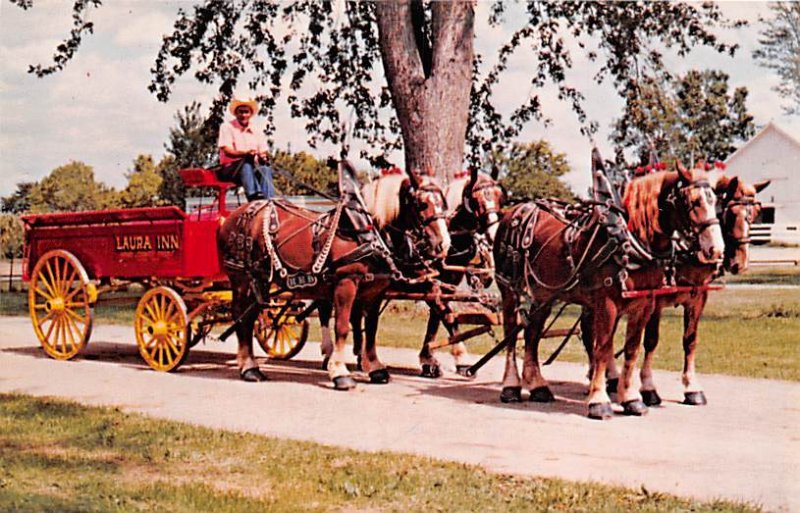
(388, 171)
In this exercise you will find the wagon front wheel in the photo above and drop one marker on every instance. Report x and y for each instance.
(60, 302)
(280, 337)
(161, 329)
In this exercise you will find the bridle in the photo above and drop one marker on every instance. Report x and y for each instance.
(750, 204)
(472, 202)
(679, 197)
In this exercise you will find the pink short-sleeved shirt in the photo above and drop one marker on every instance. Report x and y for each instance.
(233, 135)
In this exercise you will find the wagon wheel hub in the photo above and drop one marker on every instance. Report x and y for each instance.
(55, 304)
(159, 329)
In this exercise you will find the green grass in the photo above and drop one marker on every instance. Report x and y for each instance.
(60, 456)
(783, 275)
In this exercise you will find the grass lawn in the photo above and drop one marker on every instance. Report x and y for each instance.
(61, 456)
(744, 332)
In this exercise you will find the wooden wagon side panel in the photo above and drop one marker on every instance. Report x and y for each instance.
(133, 243)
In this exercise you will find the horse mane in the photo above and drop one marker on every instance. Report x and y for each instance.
(641, 203)
(454, 192)
(382, 197)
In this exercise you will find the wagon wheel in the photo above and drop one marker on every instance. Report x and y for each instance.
(60, 301)
(161, 328)
(280, 338)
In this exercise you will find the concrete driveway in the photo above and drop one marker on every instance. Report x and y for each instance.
(744, 445)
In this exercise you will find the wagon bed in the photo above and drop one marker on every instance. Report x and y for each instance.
(71, 258)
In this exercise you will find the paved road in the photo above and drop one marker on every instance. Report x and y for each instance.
(744, 445)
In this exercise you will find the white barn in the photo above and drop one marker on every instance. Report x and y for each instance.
(773, 154)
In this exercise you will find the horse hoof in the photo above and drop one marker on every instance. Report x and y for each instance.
(695, 398)
(325, 363)
(634, 407)
(511, 395)
(379, 377)
(462, 369)
(253, 375)
(600, 411)
(431, 371)
(344, 383)
(651, 397)
(611, 385)
(542, 395)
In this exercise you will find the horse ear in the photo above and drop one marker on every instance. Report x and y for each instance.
(730, 190)
(721, 184)
(412, 176)
(760, 186)
(495, 172)
(683, 172)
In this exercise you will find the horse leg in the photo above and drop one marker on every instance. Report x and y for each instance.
(325, 310)
(612, 373)
(343, 298)
(427, 360)
(649, 394)
(604, 320)
(692, 391)
(241, 301)
(630, 399)
(531, 371)
(372, 365)
(460, 355)
(512, 389)
(356, 314)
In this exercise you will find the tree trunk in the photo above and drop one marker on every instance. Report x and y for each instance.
(429, 71)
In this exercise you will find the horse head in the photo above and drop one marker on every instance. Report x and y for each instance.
(739, 209)
(484, 198)
(423, 208)
(683, 200)
(697, 202)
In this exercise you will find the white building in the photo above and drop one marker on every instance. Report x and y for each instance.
(772, 155)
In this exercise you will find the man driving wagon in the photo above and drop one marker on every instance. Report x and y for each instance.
(243, 152)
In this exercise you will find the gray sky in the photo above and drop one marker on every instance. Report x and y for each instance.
(98, 110)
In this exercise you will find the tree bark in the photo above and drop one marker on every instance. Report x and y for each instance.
(430, 78)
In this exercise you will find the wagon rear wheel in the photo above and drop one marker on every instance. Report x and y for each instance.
(60, 301)
(161, 328)
(281, 337)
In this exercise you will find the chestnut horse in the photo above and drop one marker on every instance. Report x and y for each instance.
(543, 256)
(273, 244)
(474, 204)
(405, 220)
(739, 208)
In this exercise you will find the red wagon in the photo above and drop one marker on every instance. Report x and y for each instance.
(71, 259)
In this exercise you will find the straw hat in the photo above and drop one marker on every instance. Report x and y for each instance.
(238, 102)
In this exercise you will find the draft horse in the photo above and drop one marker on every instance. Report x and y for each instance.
(738, 210)
(474, 207)
(544, 254)
(413, 255)
(273, 246)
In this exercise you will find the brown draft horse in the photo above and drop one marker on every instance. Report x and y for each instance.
(403, 221)
(274, 244)
(474, 204)
(739, 208)
(542, 257)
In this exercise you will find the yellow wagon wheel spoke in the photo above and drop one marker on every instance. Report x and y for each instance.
(60, 304)
(280, 338)
(160, 325)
